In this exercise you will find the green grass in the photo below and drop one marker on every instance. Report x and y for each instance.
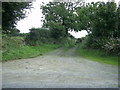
(0, 56)
(98, 56)
(28, 52)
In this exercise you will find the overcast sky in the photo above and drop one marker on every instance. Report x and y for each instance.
(33, 19)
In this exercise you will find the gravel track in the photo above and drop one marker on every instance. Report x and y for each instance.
(58, 69)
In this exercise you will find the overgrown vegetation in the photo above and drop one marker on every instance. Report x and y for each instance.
(28, 51)
(15, 45)
(102, 25)
(20, 50)
(38, 36)
(100, 20)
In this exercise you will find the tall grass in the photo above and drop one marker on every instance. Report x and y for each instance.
(28, 51)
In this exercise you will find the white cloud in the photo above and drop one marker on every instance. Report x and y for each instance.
(78, 34)
(33, 19)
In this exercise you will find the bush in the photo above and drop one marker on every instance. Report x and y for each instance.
(68, 42)
(109, 45)
(38, 36)
(90, 42)
(112, 46)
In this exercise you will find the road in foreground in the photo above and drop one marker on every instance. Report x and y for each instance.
(59, 69)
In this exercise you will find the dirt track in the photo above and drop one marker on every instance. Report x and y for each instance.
(59, 69)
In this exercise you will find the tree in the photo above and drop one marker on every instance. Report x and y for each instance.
(60, 12)
(100, 19)
(13, 12)
(105, 20)
(117, 32)
(57, 31)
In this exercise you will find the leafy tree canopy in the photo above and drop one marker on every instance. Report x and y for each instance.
(60, 12)
(13, 12)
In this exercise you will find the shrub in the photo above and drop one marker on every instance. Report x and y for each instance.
(38, 36)
(109, 45)
(112, 46)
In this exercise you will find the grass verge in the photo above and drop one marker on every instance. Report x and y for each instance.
(0, 56)
(98, 56)
(28, 52)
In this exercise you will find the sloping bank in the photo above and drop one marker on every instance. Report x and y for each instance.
(14, 48)
(28, 51)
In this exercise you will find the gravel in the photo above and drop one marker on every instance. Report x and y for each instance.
(59, 69)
